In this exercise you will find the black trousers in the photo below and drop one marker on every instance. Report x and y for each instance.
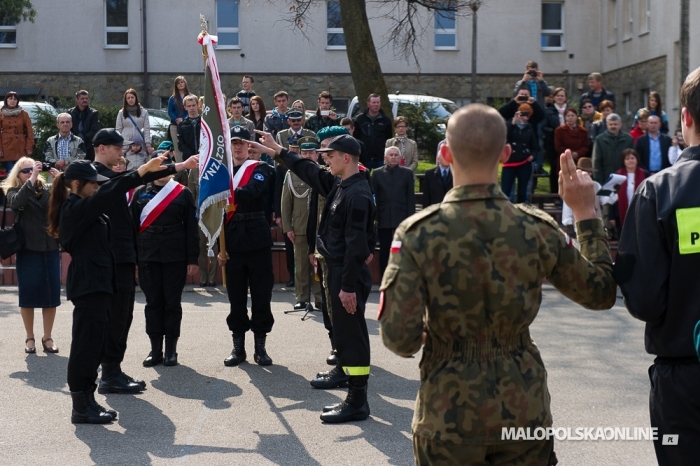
(289, 256)
(121, 313)
(89, 338)
(162, 284)
(242, 269)
(327, 323)
(674, 408)
(350, 330)
(385, 237)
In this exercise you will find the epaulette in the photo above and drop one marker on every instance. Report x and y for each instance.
(418, 216)
(539, 214)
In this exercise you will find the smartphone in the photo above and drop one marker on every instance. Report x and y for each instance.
(521, 98)
(325, 112)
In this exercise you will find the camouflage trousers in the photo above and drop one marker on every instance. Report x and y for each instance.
(430, 452)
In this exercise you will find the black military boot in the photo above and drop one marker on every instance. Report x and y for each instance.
(170, 351)
(99, 407)
(155, 357)
(355, 406)
(84, 412)
(237, 355)
(260, 356)
(335, 378)
(115, 381)
(332, 358)
(129, 378)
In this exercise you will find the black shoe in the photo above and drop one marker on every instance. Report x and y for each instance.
(119, 384)
(202, 284)
(211, 284)
(99, 407)
(290, 284)
(332, 358)
(335, 378)
(300, 307)
(129, 378)
(355, 406)
(237, 355)
(170, 351)
(155, 357)
(260, 356)
(332, 407)
(84, 412)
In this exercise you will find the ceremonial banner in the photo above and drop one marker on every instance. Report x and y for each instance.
(215, 166)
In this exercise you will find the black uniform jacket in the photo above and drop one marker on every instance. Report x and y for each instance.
(249, 230)
(173, 235)
(346, 233)
(84, 233)
(659, 257)
(394, 192)
(123, 229)
(434, 187)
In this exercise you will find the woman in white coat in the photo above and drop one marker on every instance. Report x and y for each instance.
(132, 120)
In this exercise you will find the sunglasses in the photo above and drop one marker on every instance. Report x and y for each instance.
(26, 171)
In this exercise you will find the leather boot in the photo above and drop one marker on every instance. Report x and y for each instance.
(84, 412)
(115, 381)
(170, 351)
(237, 355)
(355, 406)
(260, 356)
(155, 357)
(99, 407)
(335, 378)
(130, 379)
(332, 358)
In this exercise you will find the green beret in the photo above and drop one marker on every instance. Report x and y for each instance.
(166, 145)
(309, 146)
(331, 132)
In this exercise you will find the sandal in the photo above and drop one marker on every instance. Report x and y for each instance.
(29, 349)
(49, 349)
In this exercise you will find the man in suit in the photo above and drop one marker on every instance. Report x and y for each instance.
(395, 197)
(653, 147)
(436, 183)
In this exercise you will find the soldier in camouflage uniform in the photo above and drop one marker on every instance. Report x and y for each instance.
(464, 278)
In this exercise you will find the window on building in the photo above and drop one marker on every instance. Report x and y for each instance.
(445, 28)
(552, 26)
(613, 22)
(335, 37)
(628, 15)
(8, 33)
(227, 24)
(117, 24)
(644, 16)
(628, 103)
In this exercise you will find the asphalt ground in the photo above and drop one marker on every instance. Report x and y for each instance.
(201, 412)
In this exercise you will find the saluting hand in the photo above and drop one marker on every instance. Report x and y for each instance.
(576, 188)
(268, 141)
(152, 165)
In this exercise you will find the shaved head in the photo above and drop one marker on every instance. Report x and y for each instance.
(476, 136)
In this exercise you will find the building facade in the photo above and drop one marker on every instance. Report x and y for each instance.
(107, 46)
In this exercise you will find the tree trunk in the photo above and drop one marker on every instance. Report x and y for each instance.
(365, 69)
(473, 96)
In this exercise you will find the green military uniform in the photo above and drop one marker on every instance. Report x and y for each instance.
(295, 214)
(284, 136)
(469, 272)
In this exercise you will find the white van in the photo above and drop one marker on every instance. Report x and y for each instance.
(440, 108)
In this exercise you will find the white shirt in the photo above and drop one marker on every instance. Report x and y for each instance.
(630, 187)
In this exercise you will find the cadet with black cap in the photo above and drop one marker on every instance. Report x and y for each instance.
(122, 238)
(346, 239)
(248, 254)
(79, 222)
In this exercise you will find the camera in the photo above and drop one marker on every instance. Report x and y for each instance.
(532, 73)
(679, 138)
(45, 166)
(521, 98)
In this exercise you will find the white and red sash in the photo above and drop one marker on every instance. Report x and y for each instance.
(130, 195)
(241, 179)
(158, 204)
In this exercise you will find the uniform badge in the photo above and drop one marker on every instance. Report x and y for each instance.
(259, 177)
(395, 247)
(381, 305)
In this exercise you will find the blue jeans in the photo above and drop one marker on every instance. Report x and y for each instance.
(521, 173)
(9, 166)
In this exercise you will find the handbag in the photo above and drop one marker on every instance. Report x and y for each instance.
(11, 238)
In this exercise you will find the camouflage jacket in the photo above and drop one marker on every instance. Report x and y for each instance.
(470, 270)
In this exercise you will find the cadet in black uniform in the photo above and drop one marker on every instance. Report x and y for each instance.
(82, 228)
(248, 255)
(123, 243)
(346, 239)
(168, 250)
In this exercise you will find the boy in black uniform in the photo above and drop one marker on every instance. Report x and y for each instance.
(248, 255)
(346, 239)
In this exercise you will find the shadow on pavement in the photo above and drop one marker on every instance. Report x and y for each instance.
(184, 382)
(45, 372)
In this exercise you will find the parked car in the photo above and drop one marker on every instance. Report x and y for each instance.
(160, 123)
(439, 108)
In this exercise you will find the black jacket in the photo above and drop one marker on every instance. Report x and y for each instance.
(34, 215)
(551, 123)
(644, 151)
(188, 136)
(346, 235)
(173, 236)
(91, 125)
(123, 229)
(374, 134)
(434, 187)
(522, 141)
(394, 195)
(248, 229)
(84, 233)
(605, 95)
(509, 110)
(659, 256)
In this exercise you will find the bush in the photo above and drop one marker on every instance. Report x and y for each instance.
(424, 128)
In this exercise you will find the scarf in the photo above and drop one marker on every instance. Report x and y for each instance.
(561, 112)
(521, 124)
(10, 112)
(131, 109)
(282, 116)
